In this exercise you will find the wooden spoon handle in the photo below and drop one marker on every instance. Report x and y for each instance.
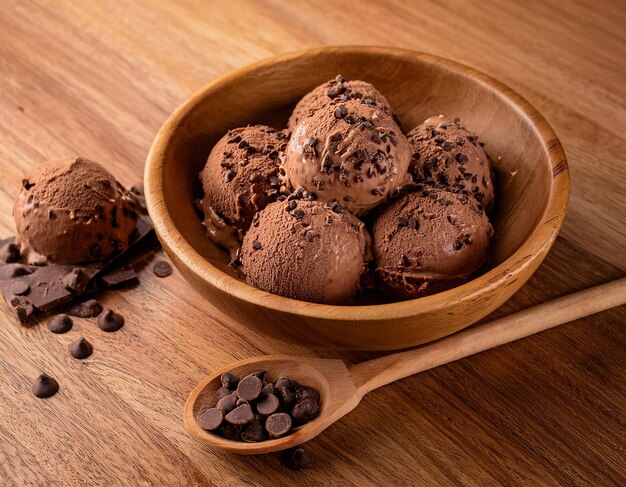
(372, 374)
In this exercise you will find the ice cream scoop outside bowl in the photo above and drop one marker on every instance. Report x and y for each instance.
(532, 189)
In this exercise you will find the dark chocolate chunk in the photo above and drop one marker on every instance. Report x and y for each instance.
(229, 380)
(254, 432)
(110, 321)
(87, 309)
(249, 388)
(80, 349)
(296, 458)
(278, 424)
(227, 403)
(305, 410)
(267, 404)
(119, 276)
(45, 386)
(60, 323)
(240, 415)
(162, 268)
(23, 308)
(210, 419)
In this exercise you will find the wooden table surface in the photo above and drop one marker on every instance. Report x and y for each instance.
(99, 78)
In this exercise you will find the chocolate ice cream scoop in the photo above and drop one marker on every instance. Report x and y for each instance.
(306, 250)
(350, 152)
(240, 178)
(429, 241)
(73, 211)
(335, 91)
(446, 154)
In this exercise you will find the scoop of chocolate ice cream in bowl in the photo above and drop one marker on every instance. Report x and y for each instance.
(430, 179)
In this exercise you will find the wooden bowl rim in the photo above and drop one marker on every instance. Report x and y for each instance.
(535, 245)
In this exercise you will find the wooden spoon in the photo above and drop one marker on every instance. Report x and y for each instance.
(342, 386)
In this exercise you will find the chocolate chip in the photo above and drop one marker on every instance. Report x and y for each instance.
(229, 380)
(230, 431)
(223, 391)
(45, 386)
(26, 184)
(9, 253)
(249, 388)
(80, 349)
(162, 268)
(234, 139)
(76, 280)
(267, 389)
(309, 235)
(267, 404)
(210, 419)
(278, 424)
(253, 433)
(293, 204)
(227, 403)
(305, 410)
(307, 393)
(240, 415)
(256, 245)
(110, 321)
(229, 175)
(283, 381)
(60, 324)
(296, 458)
(460, 157)
(87, 309)
(336, 207)
(341, 111)
(285, 395)
(19, 288)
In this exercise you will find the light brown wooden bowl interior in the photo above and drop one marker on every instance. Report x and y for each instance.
(532, 185)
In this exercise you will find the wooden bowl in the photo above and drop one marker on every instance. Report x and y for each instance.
(531, 173)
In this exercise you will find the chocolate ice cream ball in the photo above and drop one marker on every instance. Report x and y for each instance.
(241, 175)
(335, 91)
(446, 154)
(348, 152)
(429, 241)
(72, 211)
(306, 250)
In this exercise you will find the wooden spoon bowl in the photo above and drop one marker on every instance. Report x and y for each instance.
(532, 186)
(331, 378)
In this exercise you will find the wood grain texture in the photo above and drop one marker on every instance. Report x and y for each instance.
(99, 78)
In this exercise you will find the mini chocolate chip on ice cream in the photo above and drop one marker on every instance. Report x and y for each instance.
(445, 154)
(253, 409)
(306, 250)
(72, 211)
(240, 178)
(352, 153)
(296, 210)
(333, 92)
(429, 241)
